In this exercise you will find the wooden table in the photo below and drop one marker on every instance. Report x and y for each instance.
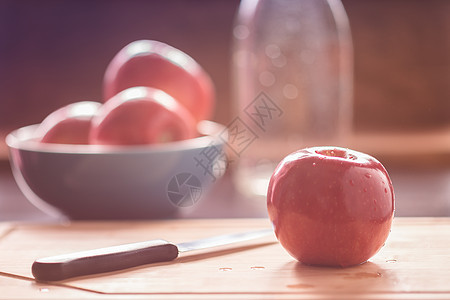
(414, 264)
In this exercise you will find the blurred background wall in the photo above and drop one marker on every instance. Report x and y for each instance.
(54, 52)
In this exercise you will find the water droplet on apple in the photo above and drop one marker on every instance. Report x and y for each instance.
(385, 190)
(352, 157)
(314, 164)
(352, 182)
(365, 190)
(368, 175)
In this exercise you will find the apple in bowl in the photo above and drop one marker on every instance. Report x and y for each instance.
(70, 124)
(331, 206)
(155, 64)
(139, 116)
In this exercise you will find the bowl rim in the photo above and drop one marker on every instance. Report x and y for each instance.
(24, 138)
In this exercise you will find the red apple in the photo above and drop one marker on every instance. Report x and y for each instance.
(141, 115)
(155, 64)
(331, 206)
(68, 125)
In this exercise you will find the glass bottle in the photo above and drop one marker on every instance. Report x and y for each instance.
(292, 77)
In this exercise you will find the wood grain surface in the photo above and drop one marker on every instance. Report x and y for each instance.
(414, 264)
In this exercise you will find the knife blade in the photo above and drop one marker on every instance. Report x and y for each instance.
(65, 266)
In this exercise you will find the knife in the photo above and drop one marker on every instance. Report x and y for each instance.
(125, 256)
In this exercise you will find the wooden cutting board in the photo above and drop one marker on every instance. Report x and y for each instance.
(415, 263)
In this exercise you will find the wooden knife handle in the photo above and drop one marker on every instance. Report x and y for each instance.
(102, 260)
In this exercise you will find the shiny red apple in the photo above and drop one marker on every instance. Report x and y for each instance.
(141, 115)
(69, 124)
(331, 206)
(158, 65)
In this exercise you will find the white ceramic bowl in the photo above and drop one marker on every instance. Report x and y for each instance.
(116, 182)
